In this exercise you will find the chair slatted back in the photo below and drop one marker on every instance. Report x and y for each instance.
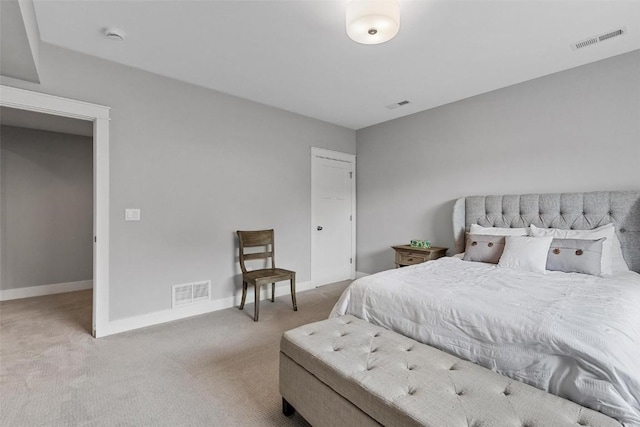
(252, 239)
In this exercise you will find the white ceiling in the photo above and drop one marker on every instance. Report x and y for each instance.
(19, 40)
(295, 54)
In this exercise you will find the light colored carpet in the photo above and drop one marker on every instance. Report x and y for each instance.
(218, 369)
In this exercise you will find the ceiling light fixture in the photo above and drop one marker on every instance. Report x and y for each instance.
(373, 21)
(114, 34)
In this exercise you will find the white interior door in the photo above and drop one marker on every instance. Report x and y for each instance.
(333, 216)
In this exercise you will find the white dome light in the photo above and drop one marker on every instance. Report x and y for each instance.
(373, 21)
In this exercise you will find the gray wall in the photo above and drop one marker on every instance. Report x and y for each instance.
(46, 194)
(199, 164)
(578, 130)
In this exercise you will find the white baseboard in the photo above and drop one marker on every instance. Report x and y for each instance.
(157, 317)
(37, 291)
(360, 274)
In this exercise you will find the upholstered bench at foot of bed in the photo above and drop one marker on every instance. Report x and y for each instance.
(345, 371)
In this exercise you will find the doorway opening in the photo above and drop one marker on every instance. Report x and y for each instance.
(53, 108)
(46, 215)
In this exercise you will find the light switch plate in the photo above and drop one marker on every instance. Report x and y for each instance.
(132, 214)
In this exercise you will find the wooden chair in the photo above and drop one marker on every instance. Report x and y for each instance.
(257, 278)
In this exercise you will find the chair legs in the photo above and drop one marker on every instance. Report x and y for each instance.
(244, 295)
(256, 308)
(293, 293)
(256, 312)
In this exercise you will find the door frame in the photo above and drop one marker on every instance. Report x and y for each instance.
(98, 114)
(333, 155)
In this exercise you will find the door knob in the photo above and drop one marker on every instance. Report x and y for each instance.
(319, 228)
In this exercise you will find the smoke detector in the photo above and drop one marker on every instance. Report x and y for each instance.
(113, 33)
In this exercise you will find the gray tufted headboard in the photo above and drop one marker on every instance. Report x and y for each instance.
(580, 211)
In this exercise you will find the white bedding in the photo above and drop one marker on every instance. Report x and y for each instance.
(574, 335)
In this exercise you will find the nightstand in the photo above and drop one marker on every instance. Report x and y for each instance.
(408, 255)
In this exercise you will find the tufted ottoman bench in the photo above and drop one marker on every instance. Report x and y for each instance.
(347, 372)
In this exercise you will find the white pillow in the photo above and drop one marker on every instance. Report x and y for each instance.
(618, 264)
(498, 231)
(526, 253)
(612, 259)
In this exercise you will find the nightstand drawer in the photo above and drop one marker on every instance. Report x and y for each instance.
(408, 255)
(405, 258)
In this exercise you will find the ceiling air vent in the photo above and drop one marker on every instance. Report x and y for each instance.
(599, 38)
(397, 104)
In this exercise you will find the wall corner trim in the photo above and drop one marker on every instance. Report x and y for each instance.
(50, 104)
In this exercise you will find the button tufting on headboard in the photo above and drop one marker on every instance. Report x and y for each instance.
(575, 211)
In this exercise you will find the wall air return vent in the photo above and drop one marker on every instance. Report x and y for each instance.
(397, 104)
(190, 293)
(599, 38)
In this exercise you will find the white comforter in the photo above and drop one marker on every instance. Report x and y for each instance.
(574, 335)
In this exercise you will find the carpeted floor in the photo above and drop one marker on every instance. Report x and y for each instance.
(218, 369)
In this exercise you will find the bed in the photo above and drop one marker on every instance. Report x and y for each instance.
(573, 335)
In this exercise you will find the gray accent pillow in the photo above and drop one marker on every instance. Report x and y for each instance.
(484, 248)
(576, 256)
